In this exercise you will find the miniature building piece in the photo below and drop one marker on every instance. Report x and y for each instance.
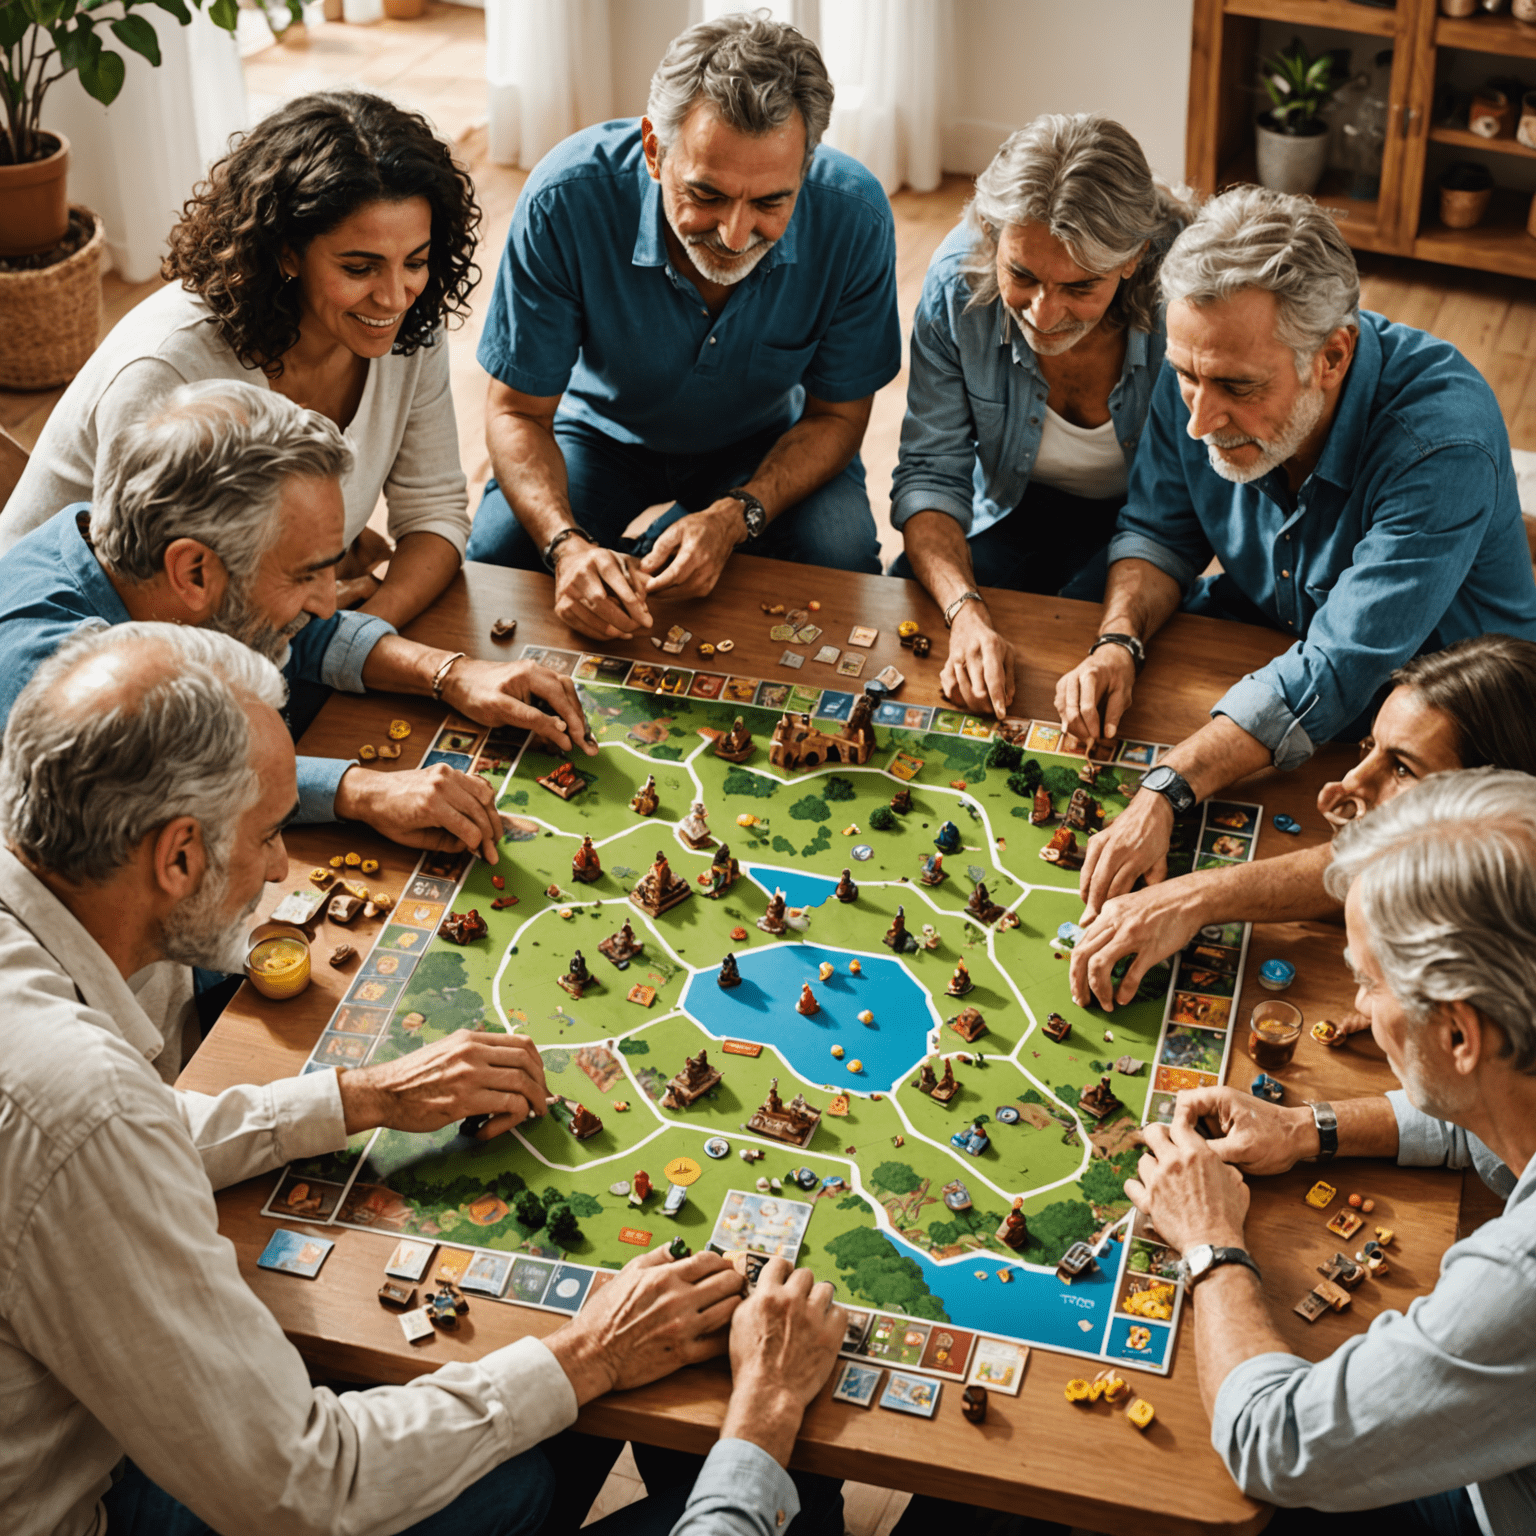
(973, 1404)
(640, 1187)
(1141, 1413)
(722, 873)
(736, 746)
(807, 1003)
(947, 838)
(1325, 1031)
(919, 645)
(1335, 1295)
(897, 937)
(960, 982)
(1098, 1100)
(694, 827)
(342, 955)
(969, 1024)
(901, 802)
(793, 1123)
(583, 1123)
(343, 908)
(692, 1083)
(927, 1079)
(1084, 813)
(1128, 1066)
(563, 780)
(1342, 1270)
(981, 906)
(503, 629)
(578, 978)
(1014, 1232)
(659, 889)
(971, 1139)
(1344, 1223)
(620, 947)
(797, 743)
(1311, 1307)
(947, 1086)
(645, 799)
(1320, 1196)
(1077, 1261)
(1268, 1088)
(1042, 811)
(1062, 850)
(730, 972)
(1056, 1027)
(773, 920)
(932, 871)
(585, 864)
(846, 890)
(1088, 774)
(463, 927)
(956, 1196)
(397, 1295)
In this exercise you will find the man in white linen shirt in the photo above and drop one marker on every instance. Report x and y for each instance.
(145, 780)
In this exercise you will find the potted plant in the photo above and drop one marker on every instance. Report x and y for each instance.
(1293, 138)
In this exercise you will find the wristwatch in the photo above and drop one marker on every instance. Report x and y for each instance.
(754, 514)
(970, 595)
(575, 531)
(1129, 642)
(1327, 1130)
(1172, 787)
(1202, 1259)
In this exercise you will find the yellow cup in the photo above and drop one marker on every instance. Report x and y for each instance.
(277, 962)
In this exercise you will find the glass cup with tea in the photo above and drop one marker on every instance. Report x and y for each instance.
(1273, 1030)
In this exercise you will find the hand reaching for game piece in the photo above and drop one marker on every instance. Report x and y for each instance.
(690, 554)
(979, 670)
(1184, 1188)
(470, 1072)
(1150, 925)
(655, 1315)
(1092, 697)
(1133, 845)
(1256, 1137)
(416, 806)
(501, 693)
(600, 592)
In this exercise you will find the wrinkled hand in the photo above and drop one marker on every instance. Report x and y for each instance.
(416, 806)
(501, 693)
(1093, 696)
(1256, 1137)
(1351, 1024)
(1184, 1188)
(471, 1072)
(652, 1317)
(686, 561)
(979, 671)
(599, 592)
(1150, 924)
(1133, 845)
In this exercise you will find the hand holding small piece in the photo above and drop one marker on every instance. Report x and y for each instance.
(1255, 1137)
(1184, 1188)
(1134, 845)
(979, 671)
(416, 806)
(1150, 924)
(1092, 697)
(599, 592)
(501, 693)
(689, 556)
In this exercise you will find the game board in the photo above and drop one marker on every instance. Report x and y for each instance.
(889, 1181)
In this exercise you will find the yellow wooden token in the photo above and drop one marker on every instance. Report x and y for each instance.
(367, 753)
(682, 1170)
(352, 860)
(1077, 1390)
(369, 866)
(337, 860)
(907, 627)
(399, 729)
(706, 649)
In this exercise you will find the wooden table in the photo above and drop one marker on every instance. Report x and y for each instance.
(1037, 1452)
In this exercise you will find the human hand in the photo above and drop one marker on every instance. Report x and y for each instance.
(1091, 698)
(1134, 844)
(979, 670)
(1150, 924)
(1184, 1188)
(470, 1072)
(655, 1315)
(1352, 1023)
(415, 806)
(1256, 1137)
(688, 557)
(499, 693)
(357, 590)
(599, 592)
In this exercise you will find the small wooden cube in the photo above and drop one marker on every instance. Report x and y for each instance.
(1141, 1413)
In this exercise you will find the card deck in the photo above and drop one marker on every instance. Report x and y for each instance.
(295, 1253)
(911, 1394)
(857, 1384)
(410, 1260)
(792, 659)
(863, 635)
(851, 665)
(416, 1326)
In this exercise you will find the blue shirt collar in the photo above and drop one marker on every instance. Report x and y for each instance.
(651, 247)
(79, 559)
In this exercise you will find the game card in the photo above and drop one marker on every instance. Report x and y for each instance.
(530, 1280)
(803, 699)
(706, 685)
(857, 1384)
(1043, 737)
(948, 1352)
(852, 664)
(645, 677)
(808, 634)
(767, 1224)
(460, 760)
(905, 767)
(793, 660)
(890, 677)
(675, 681)
(828, 655)
(410, 1260)
(782, 632)
(300, 907)
(299, 1199)
(834, 706)
(911, 1394)
(451, 1264)
(295, 1254)
(416, 1326)
(998, 1365)
(863, 635)
(568, 1288)
(772, 695)
(740, 690)
(901, 1340)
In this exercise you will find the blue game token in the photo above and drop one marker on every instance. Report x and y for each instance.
(863, 851)
(1006, 1115)
(717, 1146)
(1276, 975)
(1284, 823)
(1069, 933)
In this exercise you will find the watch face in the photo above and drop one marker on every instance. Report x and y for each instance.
(1198, 1260)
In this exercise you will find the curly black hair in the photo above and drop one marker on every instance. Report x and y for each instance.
(298, 174)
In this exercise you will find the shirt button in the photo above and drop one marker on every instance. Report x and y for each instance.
(1034, 421)
(1285, 575)
(711, 341)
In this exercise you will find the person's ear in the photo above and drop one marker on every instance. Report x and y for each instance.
(1335, 356)
(1130, 267)
(652, 147)
(1469, 1038)
(196, 577)
(178, 858)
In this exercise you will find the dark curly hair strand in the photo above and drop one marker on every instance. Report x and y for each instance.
(298, 174)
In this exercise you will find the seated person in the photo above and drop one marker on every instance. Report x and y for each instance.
(1352, 476)
(1468, 706)
(1014, 457)
(145, 780)
(697, 307)
(1420, 1412)
(321, 259)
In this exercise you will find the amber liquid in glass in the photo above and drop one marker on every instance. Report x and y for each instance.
(1272, 1044)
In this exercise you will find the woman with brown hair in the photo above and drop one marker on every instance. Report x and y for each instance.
(323, 256)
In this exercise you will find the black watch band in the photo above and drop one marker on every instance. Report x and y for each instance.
(1327, 1130)
(1200, 1261)
(1172, 786)
(575, 531)
(1126, 642)
(753, 513)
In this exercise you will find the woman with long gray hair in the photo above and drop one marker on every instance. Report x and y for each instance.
(1037, 340)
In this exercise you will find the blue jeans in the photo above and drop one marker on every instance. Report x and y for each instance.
(611, 483)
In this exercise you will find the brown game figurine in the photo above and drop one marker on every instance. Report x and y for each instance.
(640, 1187)
(1014, 1232)
(692, 1083)
(1056, 1027)
(563, 780)
(1089, 773)
(797, 743)
(722, 873)
(584, 1124)
(1098, 1100)
(948, 1085)
(981, 906)
(1084, 813)
(1062, 850)
(773, 920)
(659, 889)
(973, 1405)
(463, 927)
(901, 801)
(736, 746)
(730, 974)
(645, 799)
(620, 947)
(585, 864)
(793, 1123)
(927, 1079)
(503, 629)
(969, 1024)
(846, 890)
(932, 870)
(897, 937)
(960, 983)
(578, 978)
(694, 827)
(807, 1004)
(1042, 811)
(343, 954)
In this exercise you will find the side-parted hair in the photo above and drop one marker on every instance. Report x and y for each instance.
(1486, 687)
(755, 72)
(210, 464)
(1251, 237)
(1446, 875)
(82, 785)
(1085, 179)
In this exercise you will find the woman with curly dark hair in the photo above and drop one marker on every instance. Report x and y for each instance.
(323, 255)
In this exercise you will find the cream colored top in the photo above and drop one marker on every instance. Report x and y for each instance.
(404, 435)
(1083, 461)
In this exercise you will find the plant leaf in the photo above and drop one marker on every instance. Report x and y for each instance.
(177, 8)
(225, 13)
(79, 44)
(136, 33)
(103, 75)
(13, 25)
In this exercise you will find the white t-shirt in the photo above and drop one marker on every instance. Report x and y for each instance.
(1082, 461)
(404, 438)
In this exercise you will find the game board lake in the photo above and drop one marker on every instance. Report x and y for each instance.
(763, 1008)
(800, 889)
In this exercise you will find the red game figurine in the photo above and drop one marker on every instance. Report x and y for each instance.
(807, 1004)
(463, 927)
(585, 864)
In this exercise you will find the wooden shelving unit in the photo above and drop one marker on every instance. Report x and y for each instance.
(1404, 219)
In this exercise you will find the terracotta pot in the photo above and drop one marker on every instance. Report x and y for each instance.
(404, 10)
(1492, 113)
(1465, 191)
(333, 10)
(34, 203)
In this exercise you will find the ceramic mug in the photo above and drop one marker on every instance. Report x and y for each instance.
(1491, 114)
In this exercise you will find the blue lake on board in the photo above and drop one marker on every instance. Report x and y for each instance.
(800, 889)
(763, 1008)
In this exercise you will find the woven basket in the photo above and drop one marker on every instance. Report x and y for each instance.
(50, 319)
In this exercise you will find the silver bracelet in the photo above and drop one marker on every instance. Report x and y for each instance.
(970, 595)
(441, 678)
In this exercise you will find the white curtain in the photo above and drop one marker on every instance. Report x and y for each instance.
(549, 67)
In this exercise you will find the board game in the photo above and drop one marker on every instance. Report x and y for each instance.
(895, 1087)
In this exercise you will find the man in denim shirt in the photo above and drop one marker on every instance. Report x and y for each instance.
(1353, 478)
(1428, 1406)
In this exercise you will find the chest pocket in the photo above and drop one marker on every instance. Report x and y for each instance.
(780, 367)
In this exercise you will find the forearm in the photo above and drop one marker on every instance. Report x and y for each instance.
(940, 555)
(530, 469)
(1288, 889)
(739, 1492)
(815, 449)
(765, 1416)
(1218, 754)
(1232, 1321)
(397, 665)
(421, 567)
(1138, 600)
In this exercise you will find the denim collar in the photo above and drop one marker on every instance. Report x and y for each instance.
(1023, 354)
(79, 559)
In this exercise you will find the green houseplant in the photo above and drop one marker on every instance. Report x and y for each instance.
(1292, 135)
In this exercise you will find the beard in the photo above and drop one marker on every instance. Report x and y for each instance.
(703, 249)
(1305, 415)
(195, 932)
(239, 618)
(1049, 343)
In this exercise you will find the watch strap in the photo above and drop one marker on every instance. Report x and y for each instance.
(970, 595)
(575, 531)
(1125, 642)
(753, 513)
(1171, 785)
(1327, 1123)
(1220, 1256)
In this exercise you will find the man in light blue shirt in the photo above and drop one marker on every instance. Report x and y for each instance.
(1352, 477)
(694, 308)
(1431, 1405)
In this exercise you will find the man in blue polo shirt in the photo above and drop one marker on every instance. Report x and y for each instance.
(1352, 477)
(695, 308)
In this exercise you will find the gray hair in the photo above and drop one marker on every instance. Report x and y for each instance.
(210, 464)
(1250, 237)
(1446, 874)
(84, 780)
(755, 72)
(1085, 179)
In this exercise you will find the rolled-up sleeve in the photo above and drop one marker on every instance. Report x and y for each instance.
(1266, 716)
(426, 491)
(741, 1491)
(256, 1127)
(356, 634)
(1425, 1142)
(319, 779)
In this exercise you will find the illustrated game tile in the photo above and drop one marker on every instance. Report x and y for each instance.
(901, 1340)
(803, 699)
(998, 1365)
(792, 659)
(828, 655)
(416, 1326)
(487, 1274)
(857, 1384)
(772, 695)
(911, 1394)
(857, 1330)
(569, 1288)
(948, 1352)
(530, 1280)
(781, 632)
(300, 906)
(451, 1264)
(863, 635)
(808, 635)
(852, 664)
(740, 690)
(295, 1253)
(767, 1224)
(905, 767)
(410, 1259)
(892, 680)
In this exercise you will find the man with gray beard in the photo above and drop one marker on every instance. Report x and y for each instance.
(1351, 476)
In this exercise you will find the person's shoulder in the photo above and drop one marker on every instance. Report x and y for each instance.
(34, 568)
(1430, 387)
(837, 178)
(590, 163)
(173, 325)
